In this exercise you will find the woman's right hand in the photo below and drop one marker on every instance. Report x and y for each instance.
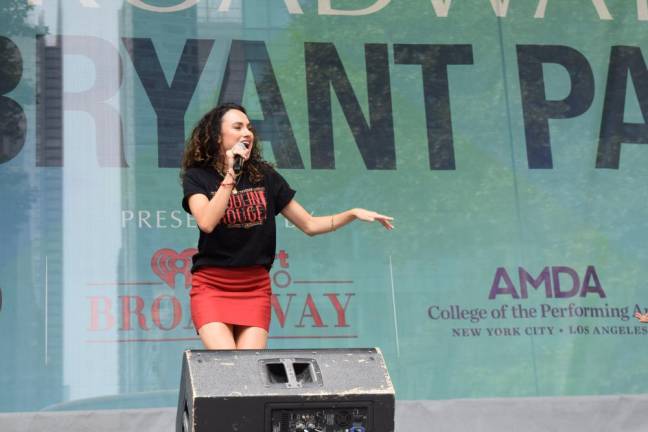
(238, 149)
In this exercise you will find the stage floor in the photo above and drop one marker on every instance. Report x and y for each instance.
(621, 413)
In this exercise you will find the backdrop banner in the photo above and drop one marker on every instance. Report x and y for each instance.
(505, 137)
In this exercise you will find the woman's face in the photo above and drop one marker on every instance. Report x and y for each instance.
(235, 128)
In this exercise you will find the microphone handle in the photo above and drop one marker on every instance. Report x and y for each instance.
(238, 163)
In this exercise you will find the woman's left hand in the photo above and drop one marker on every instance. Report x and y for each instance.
(372, 216)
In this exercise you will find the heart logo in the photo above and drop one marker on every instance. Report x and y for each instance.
(167, 263)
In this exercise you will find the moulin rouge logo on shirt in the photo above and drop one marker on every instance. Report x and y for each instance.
(246, 208)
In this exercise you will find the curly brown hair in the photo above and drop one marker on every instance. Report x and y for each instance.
(203, 147)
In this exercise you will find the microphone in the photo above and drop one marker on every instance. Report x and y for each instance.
(238, 164)
(238, 159)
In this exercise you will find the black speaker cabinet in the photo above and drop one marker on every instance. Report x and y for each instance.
(323, 390)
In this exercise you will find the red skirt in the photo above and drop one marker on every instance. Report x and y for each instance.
(236, 295)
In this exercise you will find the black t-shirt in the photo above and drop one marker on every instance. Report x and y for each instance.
(246, 234)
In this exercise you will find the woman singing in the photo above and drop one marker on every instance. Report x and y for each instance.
(235, 212)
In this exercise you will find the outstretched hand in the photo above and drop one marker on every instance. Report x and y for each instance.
(642, 317)
(372, 216)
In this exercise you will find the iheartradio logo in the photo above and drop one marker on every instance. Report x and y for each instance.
(167, 263)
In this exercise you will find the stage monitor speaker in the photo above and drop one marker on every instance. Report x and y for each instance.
(327, 390)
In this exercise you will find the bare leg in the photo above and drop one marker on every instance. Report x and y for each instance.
(217, 335)
(250, 337)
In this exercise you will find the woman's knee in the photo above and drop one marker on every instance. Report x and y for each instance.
(251, 338)
(217, 335)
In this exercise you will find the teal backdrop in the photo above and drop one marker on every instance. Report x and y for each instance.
(506, 138)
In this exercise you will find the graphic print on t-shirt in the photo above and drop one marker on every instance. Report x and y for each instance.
(246, 209)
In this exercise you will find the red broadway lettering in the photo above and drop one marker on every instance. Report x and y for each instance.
(166, 312)
(311, 310)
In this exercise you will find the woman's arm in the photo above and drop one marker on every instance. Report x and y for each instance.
(314, 225)
(208, 212)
